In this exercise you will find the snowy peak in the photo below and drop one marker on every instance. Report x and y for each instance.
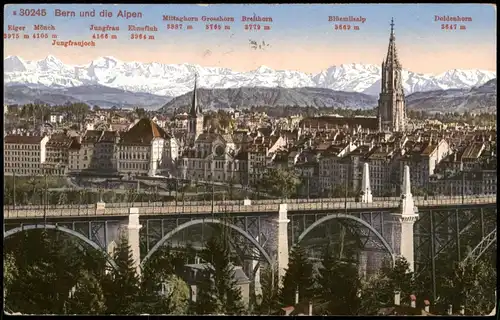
(50, 63)
(177, 79)
(264, 69)
(14, 64)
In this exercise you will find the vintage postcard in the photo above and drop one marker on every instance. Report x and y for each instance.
(250, 159)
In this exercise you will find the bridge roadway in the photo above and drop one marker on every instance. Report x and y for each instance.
(233, 207)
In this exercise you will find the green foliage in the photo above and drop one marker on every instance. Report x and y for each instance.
(42, 267)
(450, 117)
(280, 182)
(161, 268)
(339, 284)
(299, 276)
(140, 112)
(178, 294)
(9, 272)
(270, 292)
(123, 280)
(340, 191)
(88, 296)
(471, 284)
(46, 273)
(63, 198)
(218, 292)
(379, 291)
(220, 120)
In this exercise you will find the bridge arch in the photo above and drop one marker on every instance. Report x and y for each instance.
(62, 229)
(349, 217)
(481, 248)
(201, 221)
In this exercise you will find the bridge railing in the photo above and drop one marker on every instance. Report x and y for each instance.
(230, 209)
(419, 201)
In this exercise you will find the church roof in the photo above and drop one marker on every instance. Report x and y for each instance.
(143, 132)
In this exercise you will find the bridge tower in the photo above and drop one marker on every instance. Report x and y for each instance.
(133, 228)
(405, 219)
(366, 191)
(282, 241)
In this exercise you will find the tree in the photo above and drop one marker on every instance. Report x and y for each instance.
(88, 297)
(471, 284)
(131, 195)
(140, 112)
(46, 267)
(280, 182)
(299, 276)
(123, 280)
(10, 273)
(177, 295)
(217, 289)
(159, 271)
(270, 292)
(339, 285)
(63, 198)
(340, 191)
(379, 290)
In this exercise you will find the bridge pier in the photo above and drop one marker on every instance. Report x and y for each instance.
(366, 191)
(133, 237)
(256, 276)
(363, 264)
(405, 221)
(282, 241)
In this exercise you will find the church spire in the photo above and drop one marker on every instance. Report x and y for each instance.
(195, 108)
(392, 27)
(392, 55)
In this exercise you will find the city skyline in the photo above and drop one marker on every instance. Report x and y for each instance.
(310, 44)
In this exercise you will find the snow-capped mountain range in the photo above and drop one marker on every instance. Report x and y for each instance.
(176, 79)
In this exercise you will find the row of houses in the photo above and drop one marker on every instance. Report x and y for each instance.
(326, 160)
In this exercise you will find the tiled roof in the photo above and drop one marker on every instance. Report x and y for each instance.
(108, 136)
(473, 151)
(330, 122)
(59, 141)
(143, 132)
(19, 139)
(75, 145)
(91, 136)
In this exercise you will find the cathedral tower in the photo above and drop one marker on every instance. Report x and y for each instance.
(195, 121)
(391, 103)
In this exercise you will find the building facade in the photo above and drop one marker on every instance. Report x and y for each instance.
(24, 155)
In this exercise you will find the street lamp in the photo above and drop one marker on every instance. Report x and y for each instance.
(308, 182)
(346, 188)
(213, 195)
(463, 185)
(14, 183)
(45, 200)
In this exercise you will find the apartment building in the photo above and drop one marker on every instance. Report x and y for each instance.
(24, 155)
(57, 151)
